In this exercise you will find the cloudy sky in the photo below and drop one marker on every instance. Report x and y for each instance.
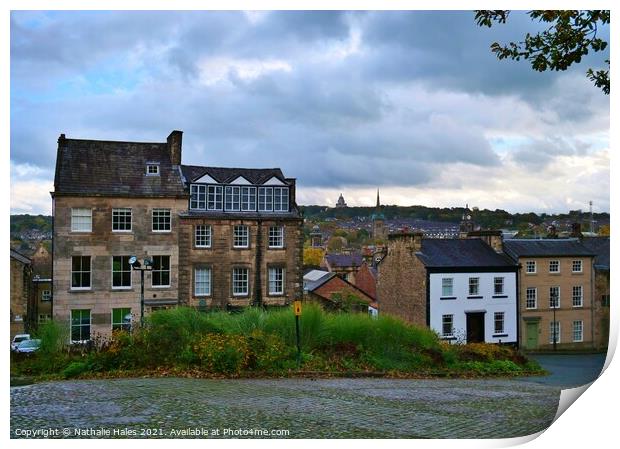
(411, 102)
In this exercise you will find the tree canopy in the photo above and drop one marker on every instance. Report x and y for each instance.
(571, 35)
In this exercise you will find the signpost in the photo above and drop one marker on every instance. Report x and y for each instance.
(297, 309)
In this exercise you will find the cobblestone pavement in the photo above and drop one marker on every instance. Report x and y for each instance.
(306, 408)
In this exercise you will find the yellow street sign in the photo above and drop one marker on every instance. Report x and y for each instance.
(297, 307)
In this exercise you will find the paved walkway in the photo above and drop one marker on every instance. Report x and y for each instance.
(293, 408)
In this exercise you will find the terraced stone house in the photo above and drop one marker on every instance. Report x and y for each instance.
(217, 237)
(556, 285)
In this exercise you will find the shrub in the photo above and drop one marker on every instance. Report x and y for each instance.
(222, 353)
(269, 352)
(74, 369)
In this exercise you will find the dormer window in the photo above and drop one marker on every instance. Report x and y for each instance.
(152, 169)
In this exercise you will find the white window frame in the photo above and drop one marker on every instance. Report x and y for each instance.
(237, 235)
(234, 193)
(152, 165)
(90, 273)
(551, 330)
(551, 262)
(580, 263)
(444, 286)
(265, 198)
(160, 210)
(199, 283)
(207, 235)
(120, 287)
(528, 289)
(121, 324)
(90, 326)
(198, 191)
(81, 213)
(580, 303)
(551, 296)
(249, 193)
(169, 270)
(44, 317)
(476, 284)
(495, 284)
(443, 324)
(215, 197)
(241, 277)
(578, 340)
(529, 264)
(276, 278)
(499, 317)
(118, 211)
(282, 196)
(276, 233)
(46, 295)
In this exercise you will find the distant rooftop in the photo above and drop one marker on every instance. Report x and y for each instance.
(546, 248)
(460, 253)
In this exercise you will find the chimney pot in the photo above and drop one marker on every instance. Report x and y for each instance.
(175, 141)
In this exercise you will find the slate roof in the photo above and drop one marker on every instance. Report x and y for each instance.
(600, 246)
(226, 175)
(109, 168)
(546, 248)
(460, 253)
(344, 260)
(311, 285)
(17, 256)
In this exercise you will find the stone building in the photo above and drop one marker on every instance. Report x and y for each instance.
(556, 278)
(215, 237)
(21, 275)
(463, 289)
(41, 285)
(341, 202)
(344, 265)
(379, 230)
(241, 238)
(600, 246)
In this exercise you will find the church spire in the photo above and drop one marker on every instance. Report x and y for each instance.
(378, 202)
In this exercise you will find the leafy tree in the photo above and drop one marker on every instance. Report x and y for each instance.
(313, 256)
(604, 230)
(571, 35)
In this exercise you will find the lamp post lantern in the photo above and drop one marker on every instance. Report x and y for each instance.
(148, 266)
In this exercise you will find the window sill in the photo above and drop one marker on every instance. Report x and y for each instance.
(81, 232)
(475, 297)
(240, 247)
(117, 231)
(78, 290)
(578, 307)
(208, 295)
(500, 296)
(555, 273)
(202, 247)
(276, 247)
(530, 273)
(161, 232)
(448, 338)
(123, 289)
(160, 286)
(446, 298)
(499, 335)
(576, 272)
(275, 295)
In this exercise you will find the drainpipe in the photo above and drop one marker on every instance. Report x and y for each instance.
(592, 287)
(258, 298)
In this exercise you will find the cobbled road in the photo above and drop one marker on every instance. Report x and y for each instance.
(302, 408)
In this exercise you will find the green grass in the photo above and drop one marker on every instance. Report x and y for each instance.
(264, 342)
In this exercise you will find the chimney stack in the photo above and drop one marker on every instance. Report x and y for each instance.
(412, 240)
(493, 238)
(175, 140)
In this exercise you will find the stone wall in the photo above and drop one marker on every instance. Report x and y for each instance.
(601, 309)
(222, 257)
(20, 283)
(101, 244)
(401, 283)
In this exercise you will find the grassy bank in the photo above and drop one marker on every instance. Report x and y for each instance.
(259, 343)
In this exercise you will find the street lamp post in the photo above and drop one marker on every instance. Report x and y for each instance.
(148, 266)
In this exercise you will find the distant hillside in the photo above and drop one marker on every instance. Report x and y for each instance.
(22, 223)
(491, 219)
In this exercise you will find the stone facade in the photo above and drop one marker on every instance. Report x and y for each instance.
(101, 244)
(601, 308)
(221, 257)
(401, 283)
(535, 331)
(21, 274)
